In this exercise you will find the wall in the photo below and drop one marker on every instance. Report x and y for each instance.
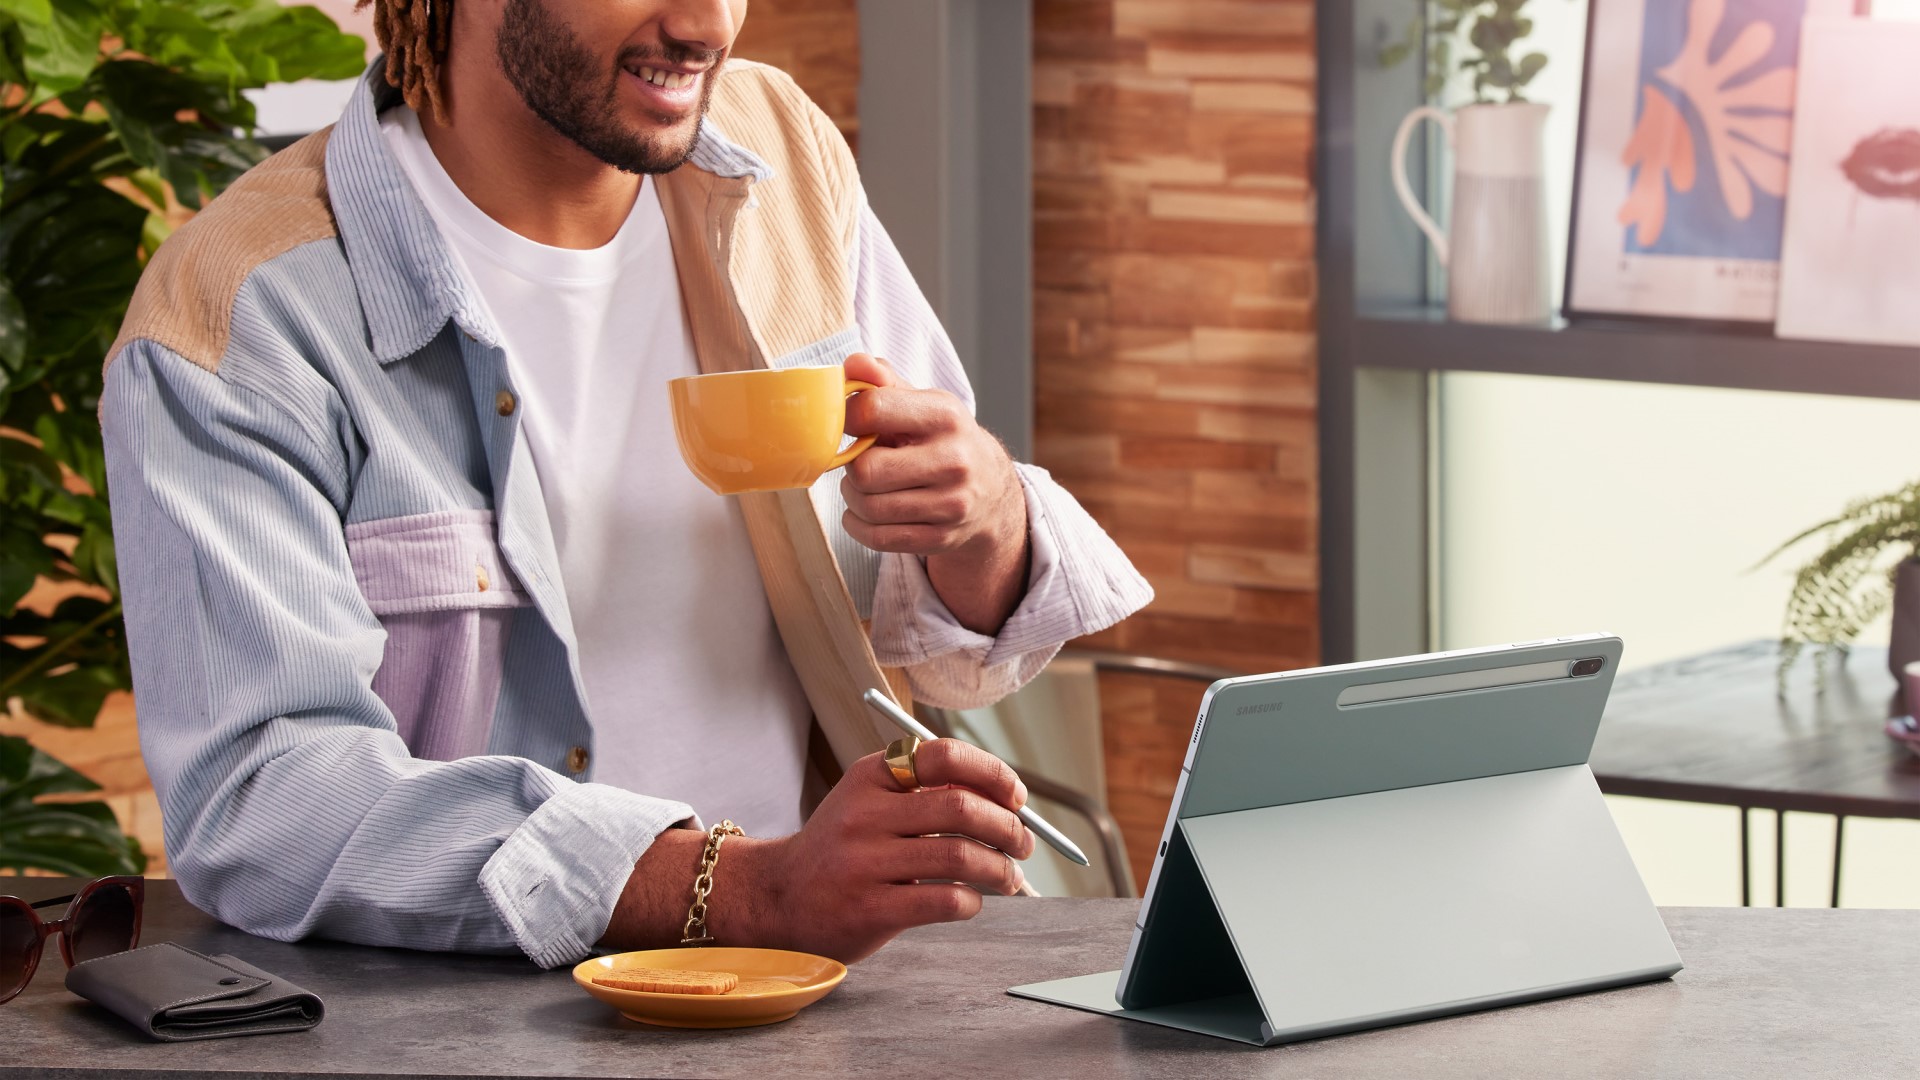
(1174, 339)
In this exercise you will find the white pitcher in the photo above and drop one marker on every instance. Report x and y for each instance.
(1495, 252)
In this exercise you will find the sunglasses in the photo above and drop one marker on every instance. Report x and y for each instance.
(102, 918)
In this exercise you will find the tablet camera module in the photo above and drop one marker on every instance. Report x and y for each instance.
(1589, 666)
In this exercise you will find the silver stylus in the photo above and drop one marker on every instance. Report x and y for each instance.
(884, 704)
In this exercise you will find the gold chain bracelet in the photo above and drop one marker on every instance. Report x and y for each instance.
(695, 932)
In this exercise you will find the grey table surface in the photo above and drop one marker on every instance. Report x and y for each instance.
(1766, 992)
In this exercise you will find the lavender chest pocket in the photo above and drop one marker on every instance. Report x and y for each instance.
(443, 592)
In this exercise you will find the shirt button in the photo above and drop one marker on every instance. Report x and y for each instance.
(504, 403)
(577, 759)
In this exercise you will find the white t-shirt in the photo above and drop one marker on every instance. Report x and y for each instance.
(691, 692)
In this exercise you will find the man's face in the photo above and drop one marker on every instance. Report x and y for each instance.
(627, 80)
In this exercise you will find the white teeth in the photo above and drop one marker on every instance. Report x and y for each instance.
(667, 80)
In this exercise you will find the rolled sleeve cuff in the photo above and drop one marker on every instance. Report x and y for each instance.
(1079, 582)
(556, 879)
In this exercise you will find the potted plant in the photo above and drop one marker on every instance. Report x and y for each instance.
(1495, 250)
(116, 117)
(1867, 566)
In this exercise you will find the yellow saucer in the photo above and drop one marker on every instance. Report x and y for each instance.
(814, 977)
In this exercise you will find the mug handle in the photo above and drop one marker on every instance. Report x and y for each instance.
(860, 444)
(1404, 190)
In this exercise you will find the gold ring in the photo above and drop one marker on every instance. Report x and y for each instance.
(900, 762)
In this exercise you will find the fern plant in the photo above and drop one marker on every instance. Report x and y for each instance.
(1850, 582)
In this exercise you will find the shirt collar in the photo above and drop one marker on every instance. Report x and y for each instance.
(408, 281)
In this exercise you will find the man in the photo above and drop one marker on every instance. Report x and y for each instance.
(409, 556)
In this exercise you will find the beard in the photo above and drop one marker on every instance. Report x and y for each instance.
(559, 80)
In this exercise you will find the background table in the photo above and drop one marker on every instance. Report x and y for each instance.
(1716, 728)
(1807, 993)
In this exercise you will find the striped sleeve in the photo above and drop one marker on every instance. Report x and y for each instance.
(291, 805)
(1079, 581)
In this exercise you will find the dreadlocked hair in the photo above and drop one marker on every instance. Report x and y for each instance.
(414, 35)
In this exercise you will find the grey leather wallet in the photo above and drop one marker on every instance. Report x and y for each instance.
(175, 994)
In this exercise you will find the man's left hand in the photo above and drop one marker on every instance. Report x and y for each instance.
(938, 485)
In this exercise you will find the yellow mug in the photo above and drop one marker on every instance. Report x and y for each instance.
(764, 430)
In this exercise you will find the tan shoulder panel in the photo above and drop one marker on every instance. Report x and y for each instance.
(185, 297)
(790, 258)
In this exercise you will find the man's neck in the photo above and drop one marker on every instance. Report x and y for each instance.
(527, 176)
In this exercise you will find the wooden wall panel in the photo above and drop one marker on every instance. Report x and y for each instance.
(818, 43)
(1174, 340)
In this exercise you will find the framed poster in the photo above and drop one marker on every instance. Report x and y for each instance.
(1848, 270)
(1680, 174)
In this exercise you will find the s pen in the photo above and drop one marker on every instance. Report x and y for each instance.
(881, 703)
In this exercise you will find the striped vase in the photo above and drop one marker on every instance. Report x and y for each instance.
(1495, 248)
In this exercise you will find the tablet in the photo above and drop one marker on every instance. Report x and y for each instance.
(1372, 843)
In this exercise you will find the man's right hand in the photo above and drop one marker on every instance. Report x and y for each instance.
(864, 867)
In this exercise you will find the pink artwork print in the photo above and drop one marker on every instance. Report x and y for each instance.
(1848, 271)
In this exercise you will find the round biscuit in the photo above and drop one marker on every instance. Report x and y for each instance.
(668, 980)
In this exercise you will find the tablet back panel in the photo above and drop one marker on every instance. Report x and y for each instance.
(1399, 905)
(1271, 740)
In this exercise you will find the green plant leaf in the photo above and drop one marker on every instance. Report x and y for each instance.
(16, 757)
(244, 44)
(76, 838)
(23, 558)
(299, 43)
(94, 556)
(145, 102)
(13, 333)
(1483, 35)
(71, 698)
(72, 437)
(151, 184)
(79, 659)
(36, 12)
(29, 773)
(61, 52)
(154, 233)
(22, 458)
(67, 838)
(73, 255)
(13, 61)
